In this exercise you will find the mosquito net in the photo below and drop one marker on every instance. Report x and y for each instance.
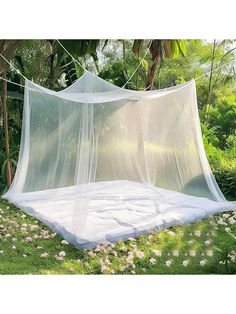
(99, 163)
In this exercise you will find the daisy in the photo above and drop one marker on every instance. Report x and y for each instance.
(175, 253)
(185, 263)
(139, 254)
(157, 252)
(45, 254)
(152, 261)
(168, 263)
(202, 263)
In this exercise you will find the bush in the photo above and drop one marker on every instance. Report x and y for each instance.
(223, 164)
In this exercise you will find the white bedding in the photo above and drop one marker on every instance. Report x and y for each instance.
(115, 210)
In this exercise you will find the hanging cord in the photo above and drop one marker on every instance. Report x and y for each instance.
(14, 83)
(138, 66)
(17, 84)
(71, 55)
(209, 72)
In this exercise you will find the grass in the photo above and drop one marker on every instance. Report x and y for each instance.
(207, 247)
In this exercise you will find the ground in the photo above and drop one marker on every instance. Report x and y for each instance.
(205, 247)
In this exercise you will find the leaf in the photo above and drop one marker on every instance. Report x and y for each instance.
(233, 236)
(178, 48)
(145, 64)
(219, 250)
(182, 47)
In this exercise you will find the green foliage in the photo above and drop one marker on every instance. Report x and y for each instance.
(223, 164)
(223, 115)
(224, 248)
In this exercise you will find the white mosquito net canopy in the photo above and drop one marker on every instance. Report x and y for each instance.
(99, 163)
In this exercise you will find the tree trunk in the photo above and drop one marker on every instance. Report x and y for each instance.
(6, 137)
(208, 99)
(155, 50)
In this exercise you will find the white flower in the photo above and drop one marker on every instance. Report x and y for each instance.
(45, 254)
(133, 272)
(207, 242)
(232, 221)
(123, 248)
(197, 233)
(221, 222)
(129, 259)
(192, 253)
(185, 263)
(91, 253)
(175, 253)
(62, 254)
(107, 261)
(29, 239)
(39, 247)
(157, 252)
(13, 247)
(122, 268)
(202, 263)
(225, 216)
(209, 253)
(59, 258)
(168, 263)
(227, 229)
(71, 269)
(190, 242)
(139, 254)
(103, 268)
(152, 261)
(64, 242)
(33, 227)
(1, 251)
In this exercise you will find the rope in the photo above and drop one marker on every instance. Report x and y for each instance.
(142, 59)
(14, 83)
(209, 72)
(71, 55)
(18, 71)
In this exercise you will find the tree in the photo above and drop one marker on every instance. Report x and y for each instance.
(7, 49)
(159, 49)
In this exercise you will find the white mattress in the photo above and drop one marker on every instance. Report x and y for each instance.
(114, 210)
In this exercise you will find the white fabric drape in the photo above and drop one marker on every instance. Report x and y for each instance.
(99, 163)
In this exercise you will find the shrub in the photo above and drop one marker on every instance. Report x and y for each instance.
(223, 164)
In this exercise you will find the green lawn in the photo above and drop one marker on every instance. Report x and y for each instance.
(205, 247)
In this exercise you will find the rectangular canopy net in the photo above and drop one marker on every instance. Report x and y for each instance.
(99, 163)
